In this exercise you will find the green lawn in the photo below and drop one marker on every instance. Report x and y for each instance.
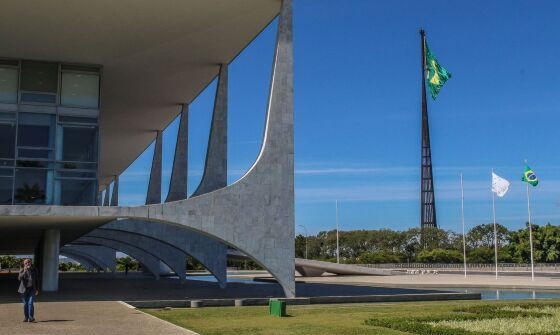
(351, 318)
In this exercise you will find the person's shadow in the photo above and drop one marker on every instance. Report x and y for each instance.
(56, 321)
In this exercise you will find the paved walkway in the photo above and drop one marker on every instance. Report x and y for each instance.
(443, 281)
(83, 318)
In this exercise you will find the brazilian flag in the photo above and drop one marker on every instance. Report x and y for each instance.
(529, 176)
(436, 74)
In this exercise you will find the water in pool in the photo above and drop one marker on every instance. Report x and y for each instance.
(507, 294)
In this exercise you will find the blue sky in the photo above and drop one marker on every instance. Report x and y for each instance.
(357, 112)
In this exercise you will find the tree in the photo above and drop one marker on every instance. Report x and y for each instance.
(483, 236)
(122, 262)
(30, 194)
(379, 257)
(546, 241)
(300, 246)
(481, 255)
(440, 256)
(9, 262)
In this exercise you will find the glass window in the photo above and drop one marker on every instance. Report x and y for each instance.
(79, 89)
(77, 166)
(79, 144)
(6, 191)
(31, 185)
(77, 192)
(39, 77)
(38, 97)
(76, 119)
(7, 140)
(8, 85)
(36, 130)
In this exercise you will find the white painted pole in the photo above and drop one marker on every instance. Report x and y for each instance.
(530, 234)
(495, 230)
(337, 246)
(463, 223)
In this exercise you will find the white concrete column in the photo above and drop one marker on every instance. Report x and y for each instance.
(49, 264)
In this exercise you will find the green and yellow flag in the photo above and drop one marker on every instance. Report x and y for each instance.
(529, 176)
(436, 74)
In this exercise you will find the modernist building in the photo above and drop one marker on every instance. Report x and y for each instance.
(87, 86)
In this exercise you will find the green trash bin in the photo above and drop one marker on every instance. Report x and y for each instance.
(277, 307)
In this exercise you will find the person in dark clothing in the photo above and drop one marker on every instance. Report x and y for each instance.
(28, 288)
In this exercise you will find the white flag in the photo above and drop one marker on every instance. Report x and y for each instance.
(500, 186)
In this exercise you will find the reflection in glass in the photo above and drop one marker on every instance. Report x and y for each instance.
(8, 85)
(77, 192)
(30, 186)
(6, 191)
(80, 89)
(7, 140)
(36, 130)
(79, 144)
(39, 77)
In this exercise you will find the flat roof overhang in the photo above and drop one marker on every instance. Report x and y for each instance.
(154, 56)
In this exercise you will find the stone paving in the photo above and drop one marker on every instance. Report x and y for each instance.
(92, 287)
(510, 281)
(83, 318)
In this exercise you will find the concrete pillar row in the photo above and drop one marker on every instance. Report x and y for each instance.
(102, 256)
(256, 213)
(115, 195)
(89, 264)
(175, 258)
(154, 185)
(49, 262)
(147, 260)
(106, 198)
(179, 172)
(209, 251)
(215, 166)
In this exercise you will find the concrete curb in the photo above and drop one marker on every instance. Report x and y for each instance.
(304, 301)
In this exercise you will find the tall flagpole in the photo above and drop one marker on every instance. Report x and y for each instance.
(337, 247)
(463, 223)
(495, 231)
(530, 234)
(427, 195)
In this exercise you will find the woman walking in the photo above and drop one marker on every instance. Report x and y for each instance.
(28, 288)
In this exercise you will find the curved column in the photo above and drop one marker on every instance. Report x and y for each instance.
(178, 181)
(106, 198)
(96, 263)
(147, 260)
(175, 258)
(154, 185)
(86, 263)
(106, 256)
(256, 213)
(215, 165)
(210, 252)
(115, 195)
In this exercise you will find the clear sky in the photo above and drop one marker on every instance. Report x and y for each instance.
(357, 112)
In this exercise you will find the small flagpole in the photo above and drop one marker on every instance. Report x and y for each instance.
(463, 223)
(337, 247)
(530, 234)
(495, 232)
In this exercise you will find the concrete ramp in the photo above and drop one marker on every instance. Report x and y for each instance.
(312, 268)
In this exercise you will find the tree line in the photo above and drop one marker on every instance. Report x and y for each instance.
(439, 246)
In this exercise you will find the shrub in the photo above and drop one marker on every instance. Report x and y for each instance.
(440, 256)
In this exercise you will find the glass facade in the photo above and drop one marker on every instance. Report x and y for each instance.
(48, 133)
